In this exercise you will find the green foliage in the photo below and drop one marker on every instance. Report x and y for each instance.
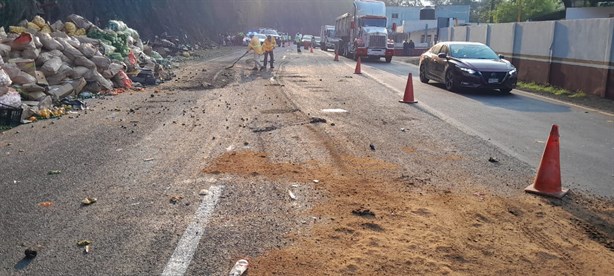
(535, 87)
(508, 10)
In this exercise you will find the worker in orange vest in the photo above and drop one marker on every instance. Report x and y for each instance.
(254, 45)
(268, 46)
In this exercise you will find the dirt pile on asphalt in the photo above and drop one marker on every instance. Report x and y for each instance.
(373, 222)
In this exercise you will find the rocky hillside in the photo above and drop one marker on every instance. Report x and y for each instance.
(191, 19)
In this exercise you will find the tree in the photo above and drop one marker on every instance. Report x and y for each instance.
(509, 10)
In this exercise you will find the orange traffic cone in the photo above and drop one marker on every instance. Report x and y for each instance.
(311, 49)
(357, 70)
(548, 179)
(336, 56)
(408, 97)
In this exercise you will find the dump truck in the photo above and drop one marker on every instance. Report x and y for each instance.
(327, 37)
(362, 31)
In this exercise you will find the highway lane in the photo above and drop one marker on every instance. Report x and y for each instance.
(518, 123)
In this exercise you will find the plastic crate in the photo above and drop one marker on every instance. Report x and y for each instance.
(9, 115)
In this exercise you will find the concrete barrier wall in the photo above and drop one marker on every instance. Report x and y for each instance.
(501, 38)
(478, 33)
(532, 48)
(460, 33)
(580, 58)
(572, 54)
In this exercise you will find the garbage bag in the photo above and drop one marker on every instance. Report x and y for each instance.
(87, 49)
(58, 26)
(107, 48)
(17, 29)
(5, 80)
(33, 95)
(22, 42)
(70, 28)
(39, 21)
(117, 25)
(2, 33)
(46, 29)
(94, 76)
(11, 98)
(33, 27)
(60, 54)
(52, 66)
(61, 75)
(70, 51)
(85, 39)
(122, 80)
(32, 87)
(30, 53)
(79, 71)
(145, 77)
(25, 65)
(83, 61)
(101, 62)
(79, 21)
(49, 42)
(57, 35)
(5, 50)
(17, 76)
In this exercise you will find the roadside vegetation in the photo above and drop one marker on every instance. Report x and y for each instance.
(540, 88)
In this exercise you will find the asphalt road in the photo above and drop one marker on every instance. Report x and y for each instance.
(147, 156)
(519, 124)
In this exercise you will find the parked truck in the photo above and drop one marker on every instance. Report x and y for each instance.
(327, 37)
(362, 32)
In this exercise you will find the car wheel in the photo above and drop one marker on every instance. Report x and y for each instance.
(388, 59)
(449, 81)
(423, 77)
(505, 90)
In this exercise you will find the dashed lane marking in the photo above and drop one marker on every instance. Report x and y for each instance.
(182, 257)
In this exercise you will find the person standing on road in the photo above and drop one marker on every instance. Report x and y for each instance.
(406, 48)
(313, 41)
(268, 46)
(254, 45)
(297, 39)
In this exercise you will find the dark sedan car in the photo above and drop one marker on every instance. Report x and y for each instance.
(467, 64)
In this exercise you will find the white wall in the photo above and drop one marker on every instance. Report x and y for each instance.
(479, 33)
(573, 41)
(592, 12)
(501, 37)
(534, 38)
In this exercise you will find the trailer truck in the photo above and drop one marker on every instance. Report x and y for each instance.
(362, 31)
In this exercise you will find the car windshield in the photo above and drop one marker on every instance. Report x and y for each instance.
(307, 37)
(261, 36)
(475, 51)
(270, 32)
(373, 22)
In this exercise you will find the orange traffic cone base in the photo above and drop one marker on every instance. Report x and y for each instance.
(408, 97)
(531, 189)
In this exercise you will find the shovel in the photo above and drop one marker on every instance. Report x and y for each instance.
(233, 64)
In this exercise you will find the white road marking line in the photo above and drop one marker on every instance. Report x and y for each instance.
(182, 257)
(334, 110)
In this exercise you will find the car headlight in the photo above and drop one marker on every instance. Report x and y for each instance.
(513, 71)
(467, 70)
